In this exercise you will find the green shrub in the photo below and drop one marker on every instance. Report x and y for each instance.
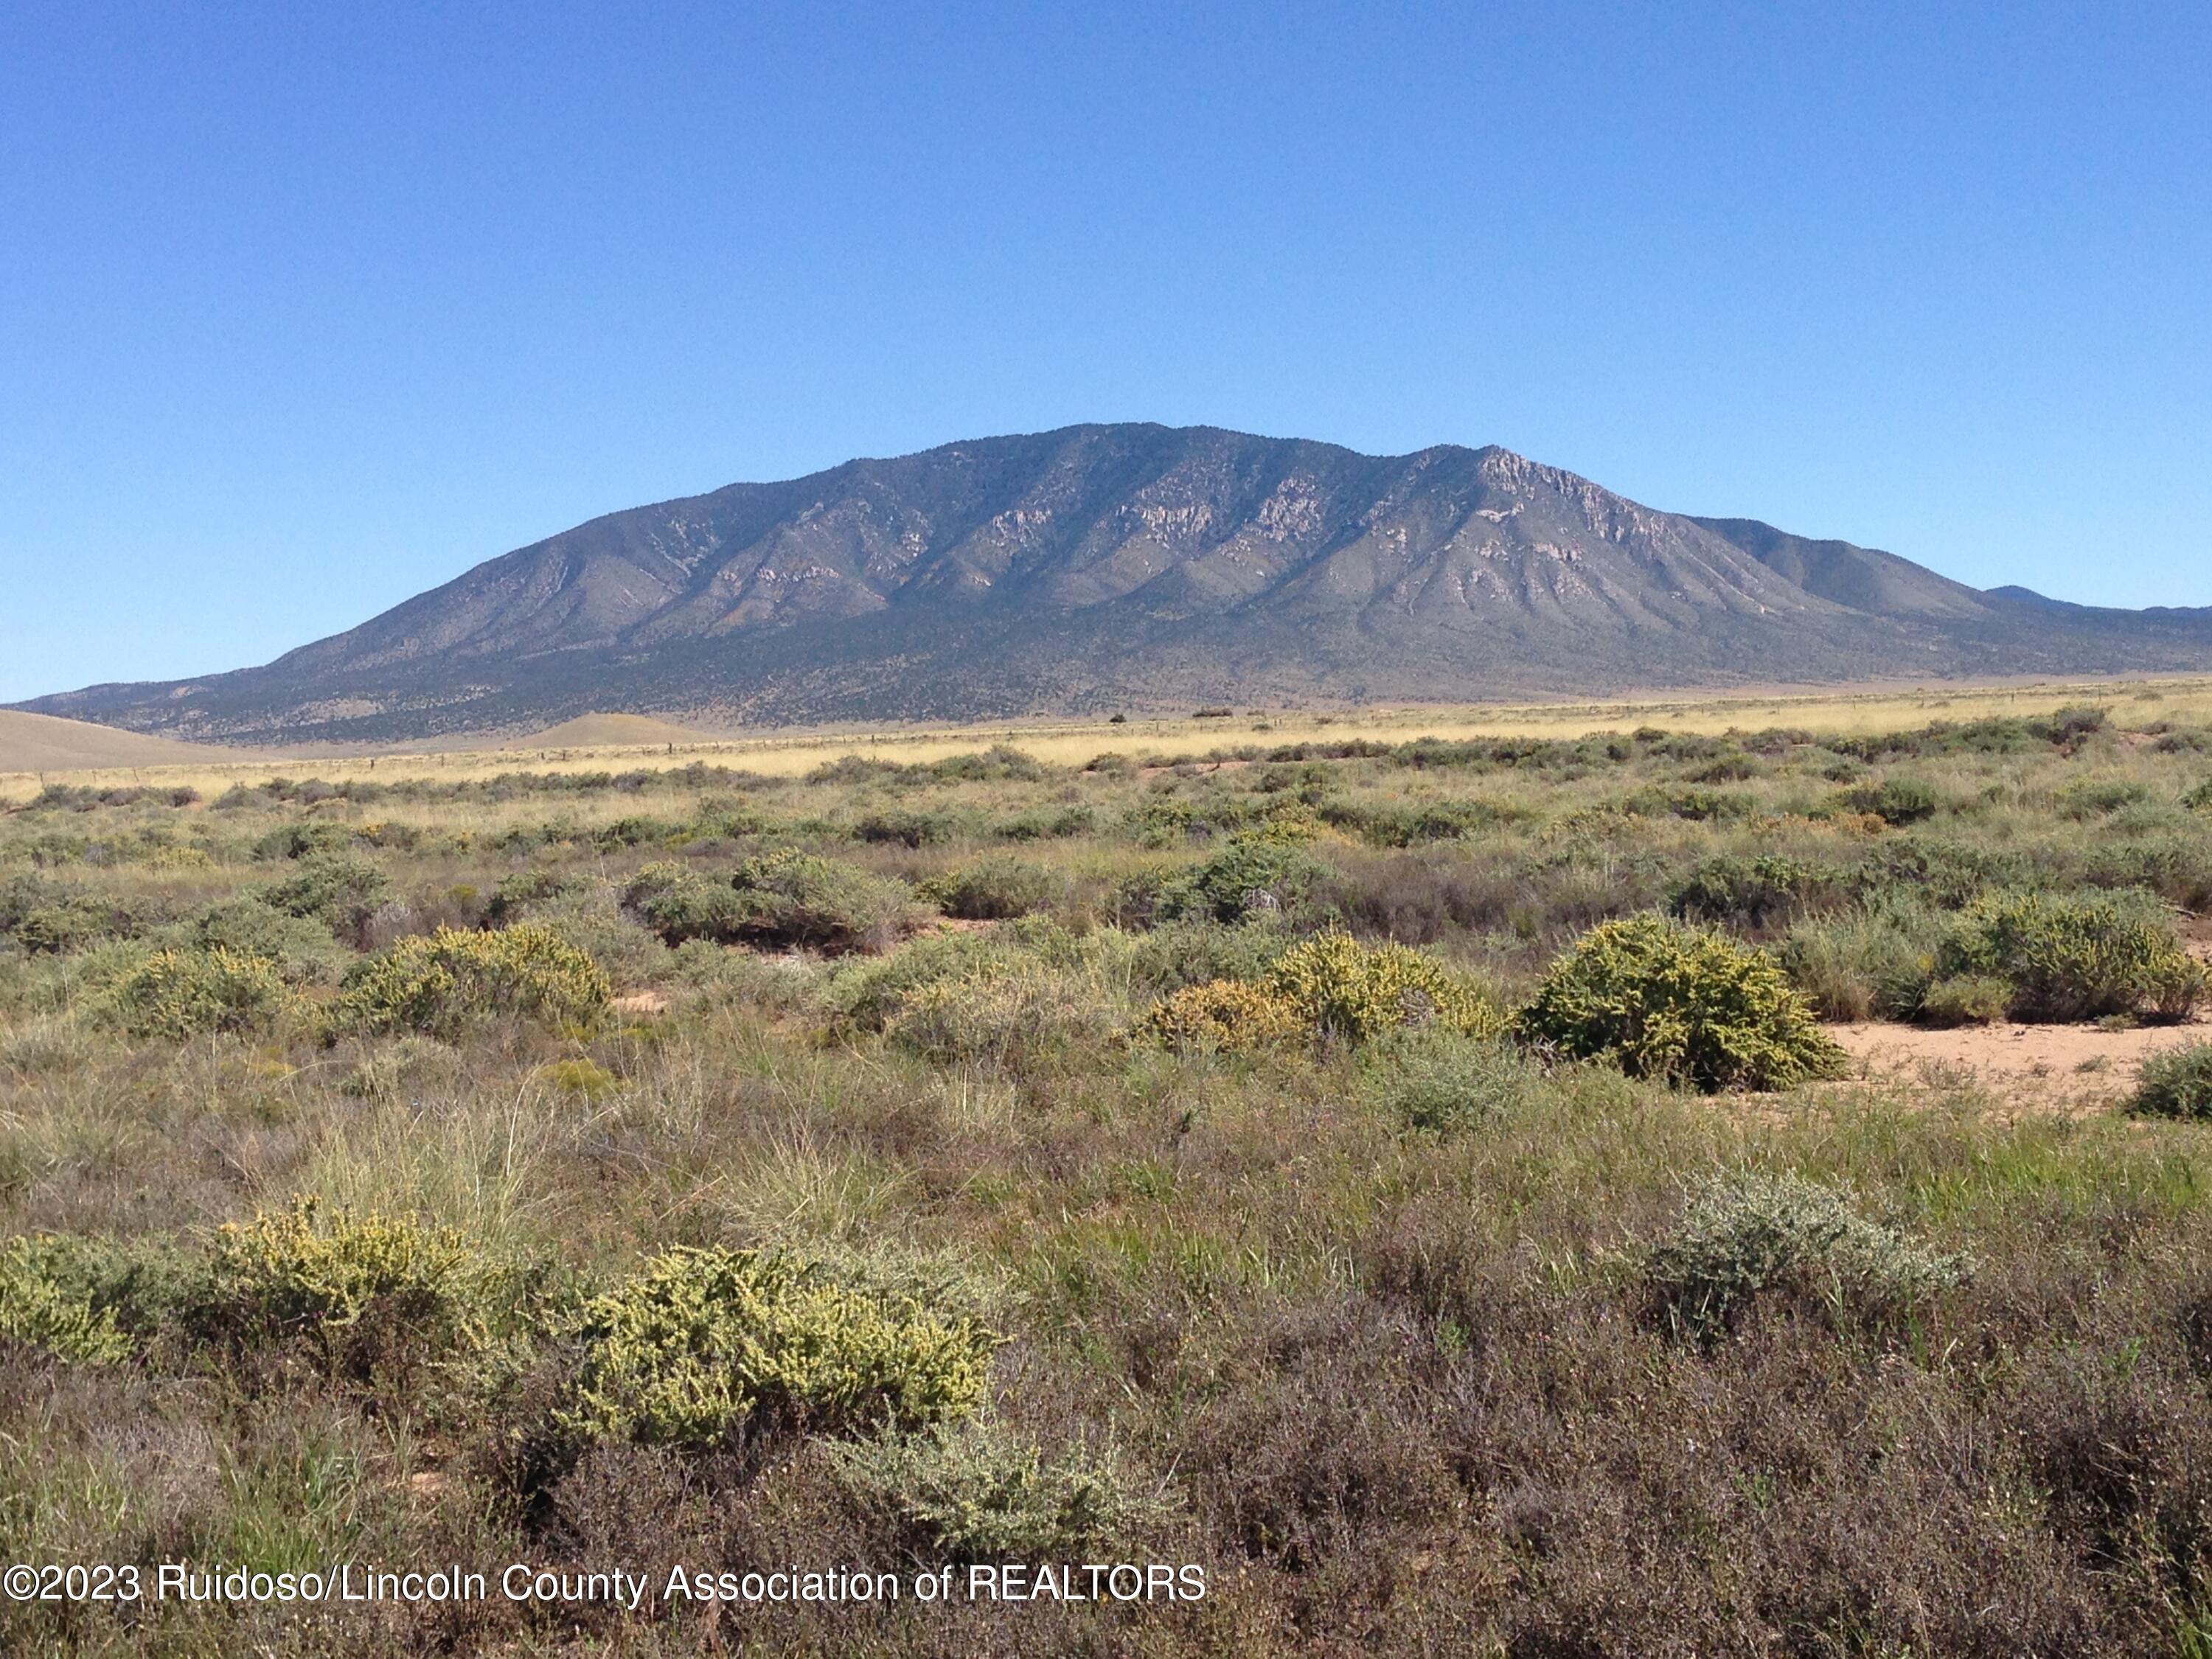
(2071, 956)
(2177, 1083)
(40, 1310)
(1444, 1080)
(1224, 1015)
(523, 891)
(1680, 1004)
(341, 891)
(1251, 875)
(46, 917)
(299, 841)
(1754, 893)
(2097, 797)
(181, 994)
(1747, 1236)
(782, 898)
(1966, 1000)
(1895, 801)
(996, 890)
(905, 829)
(443, 983)
(703, 1345)
(1181, 953)
(368, 1295)
(2199, 799)
(976, 1491)
(1353, 993)
(301, 948)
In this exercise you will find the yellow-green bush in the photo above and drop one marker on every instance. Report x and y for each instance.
(443, 983)
(370, 1294)
(40, 1310)
(1679, 1004)
(703, 1344)
(1224, 1015)
(2075, 956)
(180, 993)
(1353, 991)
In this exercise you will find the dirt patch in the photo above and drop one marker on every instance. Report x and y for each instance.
(2037, 1068)
(2195, 935)
(641, 1002)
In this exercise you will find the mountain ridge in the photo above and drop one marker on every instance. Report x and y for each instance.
(1099, 566)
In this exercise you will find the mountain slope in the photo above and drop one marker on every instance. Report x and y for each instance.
(1101, 565)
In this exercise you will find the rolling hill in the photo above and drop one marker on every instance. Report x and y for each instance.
(41, 742)
(1099, 566)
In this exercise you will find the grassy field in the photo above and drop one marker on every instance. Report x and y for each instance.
(1066, 743)
(1396, 1172)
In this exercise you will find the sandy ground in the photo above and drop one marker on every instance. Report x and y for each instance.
(2027, 1070)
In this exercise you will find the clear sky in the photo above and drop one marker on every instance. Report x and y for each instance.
(304, 308)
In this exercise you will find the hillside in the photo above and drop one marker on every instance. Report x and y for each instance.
(41, 742)
(1096, 566)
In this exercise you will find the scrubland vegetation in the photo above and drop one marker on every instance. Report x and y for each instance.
(1412, 1179)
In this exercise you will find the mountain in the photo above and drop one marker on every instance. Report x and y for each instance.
(1100, 567)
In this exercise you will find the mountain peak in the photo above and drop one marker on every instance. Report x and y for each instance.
(1100, 565)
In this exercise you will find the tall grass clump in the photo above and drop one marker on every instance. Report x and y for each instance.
(1680, 1004)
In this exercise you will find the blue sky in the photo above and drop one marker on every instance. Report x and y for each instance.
(304, 308)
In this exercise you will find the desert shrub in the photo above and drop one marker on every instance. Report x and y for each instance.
(1353, 993)
(592, 920)
(1046, 824)
(1442, 1079)
(704, 1345)
(1966, 1000)
(398, 1070)
(522, 890)
(783, 898)
(1895, 801)
(46, 917)
(1025, 989)
(341, 891)
(976, 1491)
(586, 1079)
(2096, 798)
(2177, 1083)
(298, 840)
(299, 947)
(1168, 958)
(188, 993)
(1873, 960)
(1224, 1015)
(905, 828)
(365, 1294)
(1681, 1005)
(1755, 894)
(2075, 956)
(2199, 799)
(1251, 875)
(443, 983)
(2177, 868)
(40, 1310)
(1746, 1237)
(996, 889)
